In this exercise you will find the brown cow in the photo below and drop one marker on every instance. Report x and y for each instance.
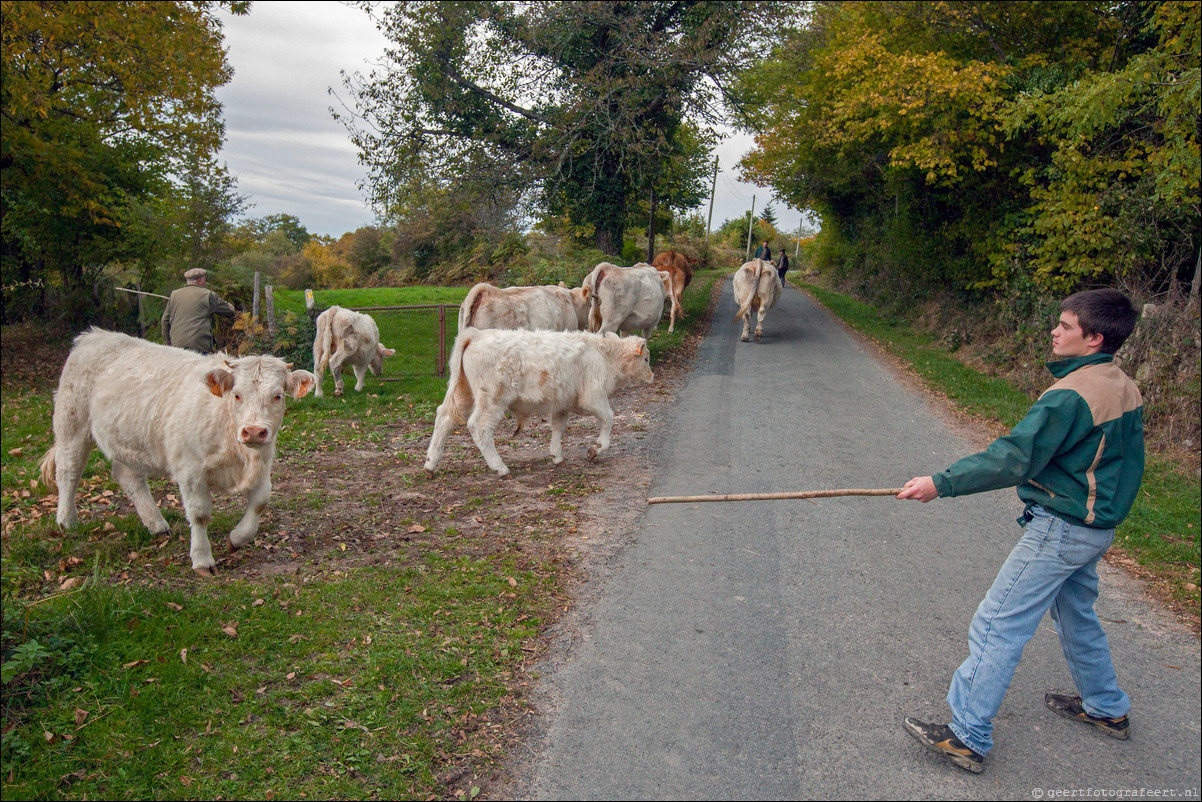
(681, 267)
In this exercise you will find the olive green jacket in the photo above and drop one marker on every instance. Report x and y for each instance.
(188, 318)
(1079, 452)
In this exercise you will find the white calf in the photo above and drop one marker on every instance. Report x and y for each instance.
(534, 373)
(154, 410)
(347, 338)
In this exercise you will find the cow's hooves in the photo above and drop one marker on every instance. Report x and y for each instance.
(507, 476)
(230, 544)
(429, 473)
(592, 454)
(207, 573)
(338, 394)
(746, 339)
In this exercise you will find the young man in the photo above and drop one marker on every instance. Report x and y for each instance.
(1077, 459)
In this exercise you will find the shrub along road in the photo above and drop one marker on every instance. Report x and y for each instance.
(770, 649)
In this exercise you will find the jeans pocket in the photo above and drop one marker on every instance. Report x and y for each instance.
(1081, 544)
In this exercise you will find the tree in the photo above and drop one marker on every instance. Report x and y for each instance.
(577, 108)
(768, 215)
(974, 145)
(100, 102)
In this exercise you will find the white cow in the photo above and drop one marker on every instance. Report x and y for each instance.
(550, 308)
(627, 299)
(153, 410)
(347, 338)
(494, 371)
(757, 289)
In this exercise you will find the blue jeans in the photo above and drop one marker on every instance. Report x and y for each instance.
(1053, 566)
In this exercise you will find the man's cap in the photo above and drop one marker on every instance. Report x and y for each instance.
(195, 274)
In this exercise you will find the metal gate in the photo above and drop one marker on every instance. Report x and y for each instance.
(416, 338)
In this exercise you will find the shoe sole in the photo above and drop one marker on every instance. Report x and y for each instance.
(1118, 735)
(960, 760)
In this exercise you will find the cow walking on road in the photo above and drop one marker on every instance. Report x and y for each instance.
(757, 289)
(153, 410)
(494, 371)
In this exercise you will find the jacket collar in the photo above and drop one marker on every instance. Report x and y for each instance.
(1062, 367)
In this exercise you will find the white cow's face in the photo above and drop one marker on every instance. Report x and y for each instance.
(636, 362)
(253, 389)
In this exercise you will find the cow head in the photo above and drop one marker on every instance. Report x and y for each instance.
(581, 305)
(636, 361)
(253, 389)
(376, 366)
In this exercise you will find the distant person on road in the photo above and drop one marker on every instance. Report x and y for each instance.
(764, 252)
(1077, 459)
(782, 266)
(188, 318)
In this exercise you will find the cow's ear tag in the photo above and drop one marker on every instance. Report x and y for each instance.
(219, 381)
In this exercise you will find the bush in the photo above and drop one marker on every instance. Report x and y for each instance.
(292, 342)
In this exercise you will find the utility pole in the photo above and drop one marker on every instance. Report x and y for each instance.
(750, 223)
(710, 219)
(651, 229)
(797, 250)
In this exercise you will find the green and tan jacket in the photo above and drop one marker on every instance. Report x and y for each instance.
(1079, 452)
(188, 318)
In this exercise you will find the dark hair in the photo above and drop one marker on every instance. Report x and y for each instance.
(1107, 312)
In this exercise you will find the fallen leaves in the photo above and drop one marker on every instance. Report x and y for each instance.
(231, 629)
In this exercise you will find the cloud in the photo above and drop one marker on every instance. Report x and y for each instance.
(291, 157)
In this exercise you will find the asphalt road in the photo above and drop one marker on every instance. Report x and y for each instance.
(770, 649)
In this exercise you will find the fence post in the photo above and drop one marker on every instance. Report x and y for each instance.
(255, 304)
(270, 301)
(442, 340)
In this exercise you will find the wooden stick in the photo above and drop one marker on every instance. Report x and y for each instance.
(885, 491)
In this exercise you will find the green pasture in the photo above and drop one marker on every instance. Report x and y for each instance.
(122, 680)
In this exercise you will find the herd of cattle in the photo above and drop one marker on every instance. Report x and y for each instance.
(525, 351)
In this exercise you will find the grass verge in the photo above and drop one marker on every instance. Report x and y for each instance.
(1160, 538)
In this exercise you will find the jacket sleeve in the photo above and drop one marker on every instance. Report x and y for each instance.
(1056, 419)
(217, 306)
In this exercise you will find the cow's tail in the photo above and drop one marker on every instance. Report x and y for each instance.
(46, 466)
(467, 309)
(594, 313)
(325, 335)
(754, 298)
(459, 391)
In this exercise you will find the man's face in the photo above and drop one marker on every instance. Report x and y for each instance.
(1068, 340)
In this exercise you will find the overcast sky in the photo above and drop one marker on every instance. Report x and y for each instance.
(291, 157)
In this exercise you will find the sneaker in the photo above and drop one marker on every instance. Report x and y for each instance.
(1070, 707)
(940, 738)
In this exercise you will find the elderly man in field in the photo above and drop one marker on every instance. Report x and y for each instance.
(188, 318)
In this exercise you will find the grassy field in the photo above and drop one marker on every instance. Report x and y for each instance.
(1160, 539)
(126, 677)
